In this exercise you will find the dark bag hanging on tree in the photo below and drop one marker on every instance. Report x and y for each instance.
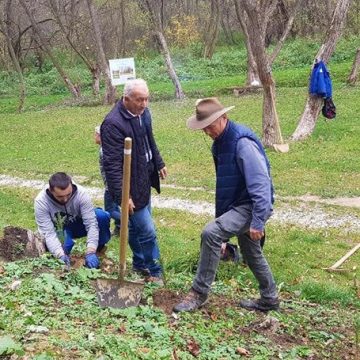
(320, 85)
(329, 108)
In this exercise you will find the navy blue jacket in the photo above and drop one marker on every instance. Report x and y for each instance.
(242, 173)
(118, 125)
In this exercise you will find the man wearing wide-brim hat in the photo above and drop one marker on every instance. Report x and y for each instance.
(244, 202)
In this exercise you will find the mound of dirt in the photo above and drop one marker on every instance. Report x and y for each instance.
(19, 243)
(166, 300)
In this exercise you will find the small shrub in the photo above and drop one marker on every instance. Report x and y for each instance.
(183, 31)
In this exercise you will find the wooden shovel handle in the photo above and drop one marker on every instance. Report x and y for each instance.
(125, 206)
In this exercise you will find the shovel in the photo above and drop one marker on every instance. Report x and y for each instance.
(119, 293)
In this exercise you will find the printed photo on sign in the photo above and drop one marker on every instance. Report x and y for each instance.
(121, 70)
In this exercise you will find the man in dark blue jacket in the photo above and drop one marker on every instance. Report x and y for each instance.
(244, 199)
(130, 117)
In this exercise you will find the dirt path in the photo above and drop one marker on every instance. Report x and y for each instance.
(308, 213)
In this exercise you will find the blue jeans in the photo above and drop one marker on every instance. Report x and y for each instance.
(143, 241)
(77, 230)
(112, 208)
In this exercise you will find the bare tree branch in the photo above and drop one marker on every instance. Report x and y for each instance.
(286, 32)
(73, 90)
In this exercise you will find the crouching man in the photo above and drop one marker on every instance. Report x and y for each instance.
(66, 208)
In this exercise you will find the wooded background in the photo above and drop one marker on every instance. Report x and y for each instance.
(69, 33)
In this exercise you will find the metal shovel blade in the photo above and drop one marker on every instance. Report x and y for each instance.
(118, 294)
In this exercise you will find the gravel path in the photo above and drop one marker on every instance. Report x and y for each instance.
(307, 212)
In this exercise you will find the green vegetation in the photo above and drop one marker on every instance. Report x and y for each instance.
(199, 77)
(54, 315)
(317, 317)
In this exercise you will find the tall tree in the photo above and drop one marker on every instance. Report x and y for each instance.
(258, 14)
(212, 28)
(74, 90)
(120, 27)
(252, 71)
(355, 68)
(110, 90)
(287, 23)
(60, 11)
(14, 59)
(155, 11)
(313, 104)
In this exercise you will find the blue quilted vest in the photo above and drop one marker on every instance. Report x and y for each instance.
(230, 182)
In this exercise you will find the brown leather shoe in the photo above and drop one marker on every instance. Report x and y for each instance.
(192, 301)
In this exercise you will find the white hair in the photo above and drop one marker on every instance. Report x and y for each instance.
(131, 85)
(97, 130)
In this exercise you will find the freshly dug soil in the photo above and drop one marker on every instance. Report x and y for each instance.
(166, 299)
(13, 244)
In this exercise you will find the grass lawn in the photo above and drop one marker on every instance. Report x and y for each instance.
(39, 143)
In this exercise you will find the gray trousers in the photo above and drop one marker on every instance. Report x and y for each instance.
(235, 222)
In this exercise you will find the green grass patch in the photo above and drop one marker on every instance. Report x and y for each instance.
(38, 143)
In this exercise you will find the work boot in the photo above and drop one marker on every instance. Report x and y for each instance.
(192, 301)
(141, 271)
(158, 280)
(260, 304)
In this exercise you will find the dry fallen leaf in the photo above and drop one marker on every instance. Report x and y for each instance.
(174, 355)
(122, 329)
(242, 351)
(193, 348)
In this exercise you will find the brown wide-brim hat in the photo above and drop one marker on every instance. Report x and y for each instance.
(206, 112)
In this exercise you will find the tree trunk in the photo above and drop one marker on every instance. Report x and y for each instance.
(252, 78)
(171, 71)
(313, 105)
(110, 90)
(355, 67)
(121, 28)
(14, 59)
(66, 31)
(227, 32)
(151, 8)
(270, 125)
(95, 73)
(271, 134)
(74, 90)
(212, 29)
(328, 10)
(286, 32)
(308, 119)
